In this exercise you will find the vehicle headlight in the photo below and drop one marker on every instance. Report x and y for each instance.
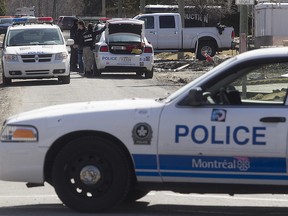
(61, 56)
(19, 133)
(11, 58)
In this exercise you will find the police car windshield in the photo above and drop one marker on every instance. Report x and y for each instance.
(30, 37)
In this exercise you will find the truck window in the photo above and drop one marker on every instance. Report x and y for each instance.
(149, 22)
(167, 21)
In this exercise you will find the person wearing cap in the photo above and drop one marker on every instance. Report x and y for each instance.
(79, 44)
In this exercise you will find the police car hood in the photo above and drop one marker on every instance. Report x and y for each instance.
(35, 49)
(88, 109)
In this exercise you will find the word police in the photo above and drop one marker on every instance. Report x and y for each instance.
(241, 135)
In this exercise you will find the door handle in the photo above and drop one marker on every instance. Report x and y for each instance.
(273, 119)
(153, 32)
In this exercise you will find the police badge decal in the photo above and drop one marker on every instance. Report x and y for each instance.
(142, 134)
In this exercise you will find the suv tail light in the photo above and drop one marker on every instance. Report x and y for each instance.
(104, 49)
(148, 50)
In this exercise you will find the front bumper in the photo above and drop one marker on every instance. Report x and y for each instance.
(22, 70)
(22, 162)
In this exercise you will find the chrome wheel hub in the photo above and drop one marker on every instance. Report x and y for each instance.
(90, 175)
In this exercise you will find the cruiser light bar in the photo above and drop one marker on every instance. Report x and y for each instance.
(24, 20)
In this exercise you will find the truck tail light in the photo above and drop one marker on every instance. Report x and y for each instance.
(104, 49)
(148, 50)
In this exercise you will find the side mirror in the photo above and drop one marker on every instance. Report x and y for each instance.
(194, 97)
(69, 42)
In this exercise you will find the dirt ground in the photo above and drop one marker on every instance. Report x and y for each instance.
(167, 70)
(180, 72)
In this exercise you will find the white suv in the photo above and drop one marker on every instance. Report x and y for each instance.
(34, 48)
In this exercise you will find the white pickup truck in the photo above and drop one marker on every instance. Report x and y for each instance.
(165, 32)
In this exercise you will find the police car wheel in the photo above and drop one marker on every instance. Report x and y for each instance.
(91, 174)
(6, 81)
(149, 74)
(95, 70)
(64, 79)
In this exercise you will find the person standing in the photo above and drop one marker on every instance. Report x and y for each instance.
(89, 42)
(73, 52)
(88, 46)
(79, 44)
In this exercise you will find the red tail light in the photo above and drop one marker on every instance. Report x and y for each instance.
(232, 34)
(148, 50)
(104, 49)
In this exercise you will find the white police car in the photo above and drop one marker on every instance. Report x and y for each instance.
(225, 132)
(35, 48)
(122, 47)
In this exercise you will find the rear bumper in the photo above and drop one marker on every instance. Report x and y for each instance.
(112, 62)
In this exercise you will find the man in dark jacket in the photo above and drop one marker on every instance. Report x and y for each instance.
(79, 44)
(89, 37)
(73, 57)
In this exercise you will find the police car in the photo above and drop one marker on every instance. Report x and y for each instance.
(123, 47)
(225, 132)
(35, 48)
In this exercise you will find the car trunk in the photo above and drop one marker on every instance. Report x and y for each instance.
(125, 46)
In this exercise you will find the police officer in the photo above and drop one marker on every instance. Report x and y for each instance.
(73, 57)
(79, 43)
(89, 37)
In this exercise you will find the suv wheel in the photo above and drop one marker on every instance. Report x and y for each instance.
(64, 79)
(149, 74)
(6, 81)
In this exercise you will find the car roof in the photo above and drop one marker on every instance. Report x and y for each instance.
(33, 26)
(269, 52)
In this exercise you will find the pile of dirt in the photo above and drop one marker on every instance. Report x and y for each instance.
(168, 69)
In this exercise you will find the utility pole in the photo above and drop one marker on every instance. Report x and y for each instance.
(142, 6)
(244, 6)
(104, 8)
(182, 14)
(120, 8)
(243, 27)
(40, 8)
(54, 9)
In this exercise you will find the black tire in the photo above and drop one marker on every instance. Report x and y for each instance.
(139, 73)
(64, 79)
(206, 46)
(95, 70)
(104, 167)
(6, 81)
(149, 74)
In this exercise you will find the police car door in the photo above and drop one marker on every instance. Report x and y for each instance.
(238, 135)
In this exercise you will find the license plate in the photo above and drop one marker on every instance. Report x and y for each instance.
(118, 47)
(125, 59)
